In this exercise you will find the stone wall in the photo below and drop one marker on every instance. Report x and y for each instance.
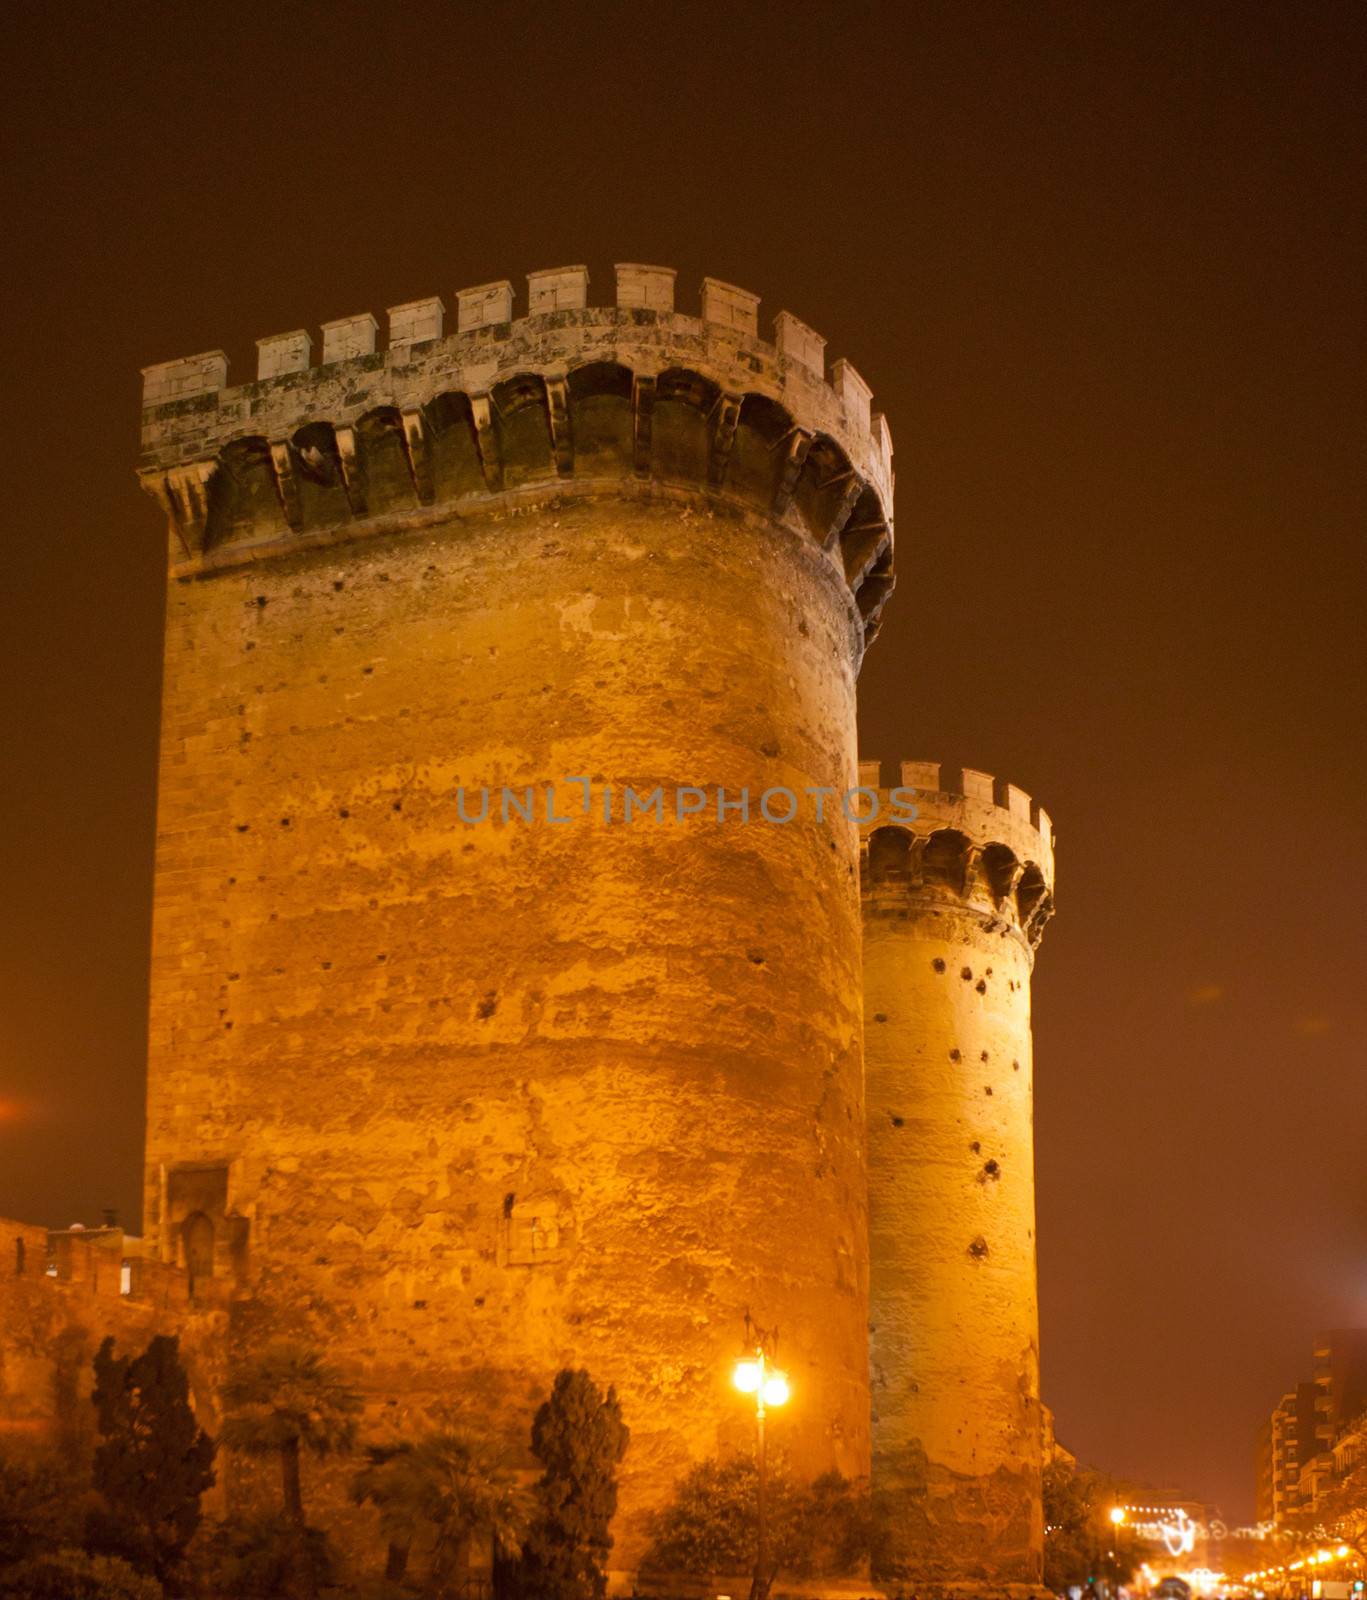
(61, 1294)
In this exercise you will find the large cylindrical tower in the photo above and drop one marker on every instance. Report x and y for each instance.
(954, 906)
(489, 1033)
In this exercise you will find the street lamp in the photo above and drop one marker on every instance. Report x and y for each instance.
(756, 1374)
(1117, 1515)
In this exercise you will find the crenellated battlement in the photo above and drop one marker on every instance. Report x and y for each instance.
(981, 840)
(574, 397)
(100, 1264)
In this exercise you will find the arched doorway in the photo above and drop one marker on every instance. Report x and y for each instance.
(197, 1239)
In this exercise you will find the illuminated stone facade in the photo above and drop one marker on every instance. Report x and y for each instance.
(473, 1100)
(463, 1073)
(954, 906)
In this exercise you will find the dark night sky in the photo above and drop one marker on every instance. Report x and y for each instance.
(1104, 267)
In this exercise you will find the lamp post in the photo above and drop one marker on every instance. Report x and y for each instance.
(1117, 1523)
(757, 1375)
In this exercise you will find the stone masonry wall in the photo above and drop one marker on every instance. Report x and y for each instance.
(52, 1323)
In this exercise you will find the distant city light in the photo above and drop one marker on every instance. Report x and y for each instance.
(1180, 1536)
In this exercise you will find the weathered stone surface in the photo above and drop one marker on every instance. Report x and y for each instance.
(954, 904)
(475, 1100)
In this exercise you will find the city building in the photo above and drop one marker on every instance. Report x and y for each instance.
(1313, 1437)
(1340, 1383)
(1287, 1442)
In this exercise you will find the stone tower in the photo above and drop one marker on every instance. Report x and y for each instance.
(474, 1094)
(954, 906)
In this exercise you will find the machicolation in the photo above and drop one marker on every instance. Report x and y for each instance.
(571, 397)
(985, 843)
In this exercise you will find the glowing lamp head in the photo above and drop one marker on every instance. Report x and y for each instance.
(776, 1389)
(747, 1376)
(1117, 1515)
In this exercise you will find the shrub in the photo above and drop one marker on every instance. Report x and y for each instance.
(73, 1575)
(820, 1529)
(259, 1558)
(39, 1505)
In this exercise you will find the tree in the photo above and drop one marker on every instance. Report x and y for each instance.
(819, 1529)
(1079, 1543)
(447, 1480)
(392, 1483)
(1340, 1510)
(286, 1401)
(153, 1462)
(579, 1437)
(1070, 1545)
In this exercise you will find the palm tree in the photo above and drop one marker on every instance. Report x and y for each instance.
(446, 1479)
(395, 1487)
(472, 1495)
(283, 1402)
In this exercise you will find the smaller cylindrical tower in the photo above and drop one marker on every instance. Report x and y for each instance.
(955, 900)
